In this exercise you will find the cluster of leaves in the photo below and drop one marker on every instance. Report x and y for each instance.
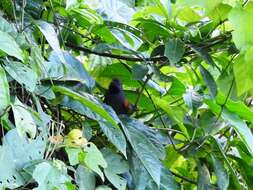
(186, 64)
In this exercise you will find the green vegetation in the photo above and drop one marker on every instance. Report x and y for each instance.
(187, 65)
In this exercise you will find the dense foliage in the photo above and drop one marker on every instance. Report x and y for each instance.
(186, 64)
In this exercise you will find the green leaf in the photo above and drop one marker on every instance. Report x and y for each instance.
(189, 15)
(174, 50)
(51, 175)
(219, 152)
(85, 99)
(242, 36)
(142, 179)
(51, 37)
(73, 154)
(22, 74)
(9, 46)
(139, 71)
(240, 127)
(177, 87)
(243, 68)
(220, 172)
(10, 178)
(103, 187)
(237, 107)
(203, 54)
(209, 5)
(145, 150)
(16, 153)
(73, 71)
(23, 150)
(94, 158)
(204, 178)
(175, 115)
(116, 166)
(209, 80)
(5, 26)
(86, 179)
(23, 119)
(4, 91)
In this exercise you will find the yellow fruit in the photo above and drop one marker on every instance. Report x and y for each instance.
(75, 138)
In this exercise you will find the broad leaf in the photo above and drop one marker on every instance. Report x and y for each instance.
(243, 69)
(51, 36)
(22, 74)
(203, 54)
(94, 159)
(241, 128)
(86, 179)
(9, 46)
(4, 92)
(116, 166)
(221, 173)
(204, 178)
(174, 50)
(242, 36)
(85, 99)
(23, 119)
(144, 149)
(209, 80)
(50, 175)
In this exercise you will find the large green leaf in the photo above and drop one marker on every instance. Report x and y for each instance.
(85, 178)
(204, 178)
(116, 166)
(221, 154)
(243, 68)
(73, 71)
(9, 46)
(241, 128)
(16, 153)
(242, 35)
(209, 5)
(22, 74)
(94, 159)
(209, 80)
(51, 175)
(175, 115)
(236, 122)
(4, 91)
(23, 119)
(221, 173)
(174, 50)
(203, 53)
(86, 100)
(144, 148)
(10, 178)
(237, 107)
(143, 180)
(51, 37)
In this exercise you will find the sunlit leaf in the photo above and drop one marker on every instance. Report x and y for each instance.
(85, 100)
(4, 91)
(51, 36)
(9, 46)
(22, 74)
(23, 119)
(94, 159)
(242, 35)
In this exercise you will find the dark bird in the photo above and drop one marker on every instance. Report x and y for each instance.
(115, 97)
